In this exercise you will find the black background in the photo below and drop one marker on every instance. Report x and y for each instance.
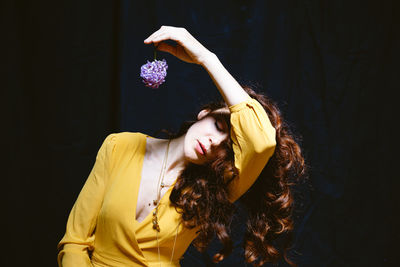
(71, 77)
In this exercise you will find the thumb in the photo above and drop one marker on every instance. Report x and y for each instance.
(166, 48)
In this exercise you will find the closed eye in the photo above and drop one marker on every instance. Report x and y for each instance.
(222, 121)
(219, 125)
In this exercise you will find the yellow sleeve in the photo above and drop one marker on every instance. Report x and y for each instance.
(78, 240)
(253, 138)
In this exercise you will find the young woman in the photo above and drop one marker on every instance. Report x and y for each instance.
(147, 199)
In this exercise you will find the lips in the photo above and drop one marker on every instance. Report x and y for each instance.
(201, 148)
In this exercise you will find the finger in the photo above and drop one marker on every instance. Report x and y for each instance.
(166, 33)
(154, 34)
(149, 39)
(167, 48)
(157, 33)
(162, 36)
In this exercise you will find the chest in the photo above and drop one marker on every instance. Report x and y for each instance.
(133, 185)
(150, 189)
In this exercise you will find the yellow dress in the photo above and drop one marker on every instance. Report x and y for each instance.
(102, 229)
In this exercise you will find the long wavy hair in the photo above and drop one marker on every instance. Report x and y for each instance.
(201, 195)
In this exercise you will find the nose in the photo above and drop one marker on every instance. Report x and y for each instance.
(215, 141)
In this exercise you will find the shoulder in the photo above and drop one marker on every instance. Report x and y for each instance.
(126, 137)
(124, 141)
(123, 145)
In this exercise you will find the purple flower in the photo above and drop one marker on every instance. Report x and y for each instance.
(154, 73)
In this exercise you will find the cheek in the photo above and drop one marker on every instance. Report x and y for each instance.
(187, 142)
(188, 153)
(198, 130)
(188, 148)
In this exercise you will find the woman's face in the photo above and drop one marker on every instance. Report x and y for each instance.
(204, 137)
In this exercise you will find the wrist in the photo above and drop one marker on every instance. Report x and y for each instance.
(207, 59)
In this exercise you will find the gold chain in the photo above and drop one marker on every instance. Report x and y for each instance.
(173, 248)
(160, 186)
(156, 226)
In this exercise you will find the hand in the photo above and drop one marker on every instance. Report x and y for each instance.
(187, 47)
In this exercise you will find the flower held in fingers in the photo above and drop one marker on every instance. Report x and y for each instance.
(154, 73)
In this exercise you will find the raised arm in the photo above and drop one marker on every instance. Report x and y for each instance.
(190, 50)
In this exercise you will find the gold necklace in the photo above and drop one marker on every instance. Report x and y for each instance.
(160, 186)
(156, 226)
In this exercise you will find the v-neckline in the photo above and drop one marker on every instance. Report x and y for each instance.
(151, 212)
(140, 180)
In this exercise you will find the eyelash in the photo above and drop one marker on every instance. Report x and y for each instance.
(218, 128)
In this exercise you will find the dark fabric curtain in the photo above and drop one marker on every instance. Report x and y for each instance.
(71, 77)
(61, 90)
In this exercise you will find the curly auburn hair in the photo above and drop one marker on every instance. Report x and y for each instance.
(201, 195)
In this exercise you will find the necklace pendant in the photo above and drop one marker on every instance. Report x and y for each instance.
(162, 185)
(154, 202)
(156, 227)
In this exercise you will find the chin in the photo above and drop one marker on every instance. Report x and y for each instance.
(192, 157)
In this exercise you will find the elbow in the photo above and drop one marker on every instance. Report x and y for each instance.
(265, 150)
(267, 144)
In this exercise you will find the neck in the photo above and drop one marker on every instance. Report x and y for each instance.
(176, 160)
(176, 157)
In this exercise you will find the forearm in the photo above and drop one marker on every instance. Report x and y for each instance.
(190, 50)
(229, 88)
